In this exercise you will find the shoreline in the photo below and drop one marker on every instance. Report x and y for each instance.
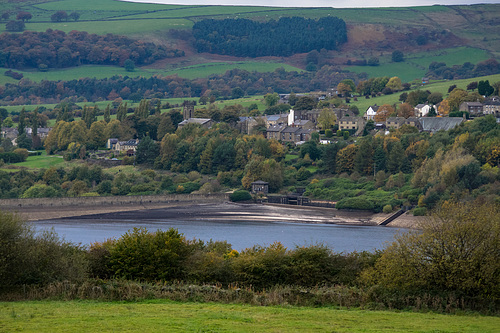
(221, 210)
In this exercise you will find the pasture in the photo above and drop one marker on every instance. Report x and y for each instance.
(169, 316)
(416, 65)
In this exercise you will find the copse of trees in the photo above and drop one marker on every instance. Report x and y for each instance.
(439, 70)
(56, 49)
(285, 37)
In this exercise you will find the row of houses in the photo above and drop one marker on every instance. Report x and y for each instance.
(490, 105)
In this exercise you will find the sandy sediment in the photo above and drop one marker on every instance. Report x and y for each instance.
(223, 211)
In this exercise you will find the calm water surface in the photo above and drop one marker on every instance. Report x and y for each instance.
(340, 238)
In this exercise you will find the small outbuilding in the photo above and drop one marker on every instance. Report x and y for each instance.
(260, 186)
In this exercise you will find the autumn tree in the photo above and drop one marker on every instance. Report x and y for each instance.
(345, 158)
(24, 16)
(97, 135)
(383, 113)
(59, 16)
(343, 89)
(15, 26)
(394, 84)
(444, 108)
(405, 110)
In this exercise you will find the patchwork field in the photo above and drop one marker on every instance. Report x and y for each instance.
(475, 25)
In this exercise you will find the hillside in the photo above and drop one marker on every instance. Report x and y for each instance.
(452, 34)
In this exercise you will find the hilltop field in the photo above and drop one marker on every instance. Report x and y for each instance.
(470, 35)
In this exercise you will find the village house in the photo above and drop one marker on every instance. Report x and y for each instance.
(276, 119)
(492, 106)
(111, 143)
(371, 112)
(394, 122)
(474, 108)
(349, 122)
(126, 146)
(274, 132)
(312, 115)
(246, 124)
(421, 110)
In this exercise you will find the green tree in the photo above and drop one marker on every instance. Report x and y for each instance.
(326, 118)
(97, 135)
(271, 99)
(484, 88)
(306, 103)
(458, 249)
(129, 65)
(397, 56)
(147, 151)
(107, 114)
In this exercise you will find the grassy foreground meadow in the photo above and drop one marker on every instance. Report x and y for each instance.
(169, 316)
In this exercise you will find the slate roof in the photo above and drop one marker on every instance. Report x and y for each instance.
(433, 125)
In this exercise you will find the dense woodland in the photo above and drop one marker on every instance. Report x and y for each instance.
(56, 49)
(285, 37)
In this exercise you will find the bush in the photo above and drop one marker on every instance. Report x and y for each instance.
(457, 250)
(387, 209)
(360, 203)
(240, 195)
(420, 211)
(141, 255)
(42, 258)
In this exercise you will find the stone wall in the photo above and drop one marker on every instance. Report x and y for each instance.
(110, 201)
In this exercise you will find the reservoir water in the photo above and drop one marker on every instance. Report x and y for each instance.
(241, 227)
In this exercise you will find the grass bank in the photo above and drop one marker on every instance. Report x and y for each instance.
(169, 316)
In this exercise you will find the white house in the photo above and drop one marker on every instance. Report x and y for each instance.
(421, 110)
(371, 112)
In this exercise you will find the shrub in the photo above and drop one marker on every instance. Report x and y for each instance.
(420, 211)
(387, 209)
(141, 255)
(457, 250)
(42, 258)
(355, 203)
(240, 195)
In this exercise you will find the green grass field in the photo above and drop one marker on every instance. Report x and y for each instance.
(168, 316)
(416, 65)
(43, 161)
(101, 72)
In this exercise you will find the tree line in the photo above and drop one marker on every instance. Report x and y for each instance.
(439, 70)
(57, 49)
(219, 86)
(285, 37)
